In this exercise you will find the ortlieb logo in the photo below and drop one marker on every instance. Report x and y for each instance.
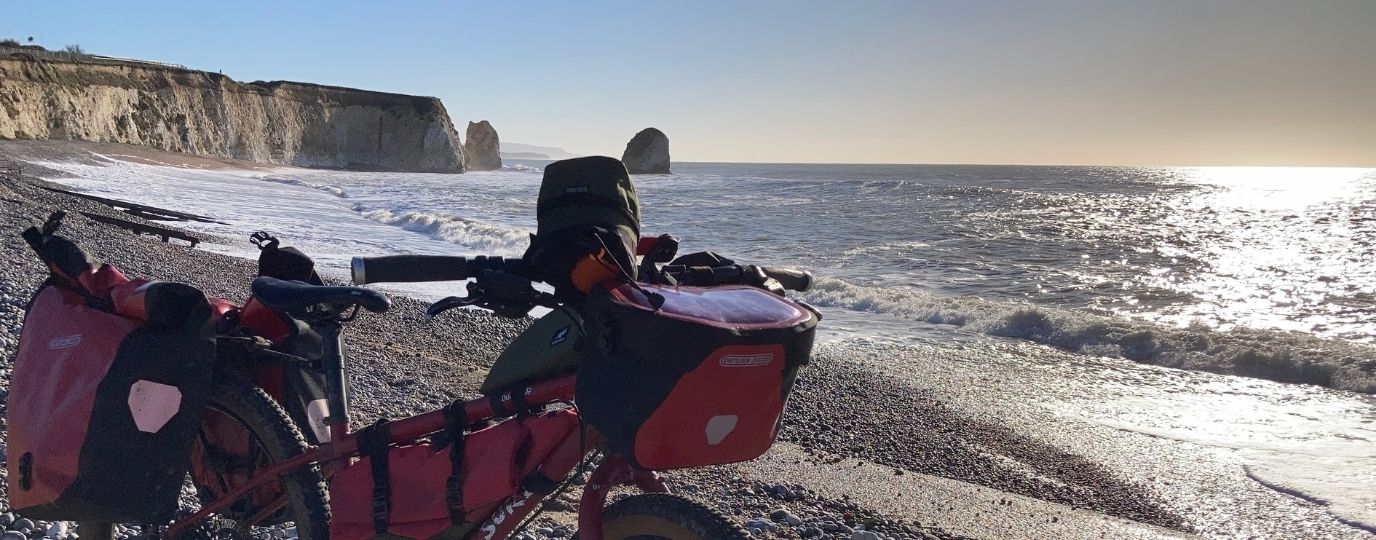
(559, 337)
(64, 342)
(747, 360)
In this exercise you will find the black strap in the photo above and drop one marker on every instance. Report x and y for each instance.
(454, 420)
(373, 443)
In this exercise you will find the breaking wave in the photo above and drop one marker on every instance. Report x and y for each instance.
(1268, 354)
(521, 168)
(333, 190)
(487, 238)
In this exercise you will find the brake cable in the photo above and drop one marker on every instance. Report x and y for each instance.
(582, 469)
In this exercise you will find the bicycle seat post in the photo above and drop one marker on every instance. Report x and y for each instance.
(336, 380)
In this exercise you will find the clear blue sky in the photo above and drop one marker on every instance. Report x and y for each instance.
(1247, 82)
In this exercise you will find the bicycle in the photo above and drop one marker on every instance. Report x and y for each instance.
(275, 476)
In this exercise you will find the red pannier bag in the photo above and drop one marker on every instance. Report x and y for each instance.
(109, 383)
(413, 499)
(701, 379)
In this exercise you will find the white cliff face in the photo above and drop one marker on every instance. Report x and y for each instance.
(212, 115)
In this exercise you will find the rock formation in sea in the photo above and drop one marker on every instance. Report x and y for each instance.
(481, 149)
(647, 153)
(208, 114)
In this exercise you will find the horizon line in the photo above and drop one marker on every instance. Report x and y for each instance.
(1371, 166)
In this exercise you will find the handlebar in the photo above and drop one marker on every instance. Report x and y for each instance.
(791, 278)
(418, 268)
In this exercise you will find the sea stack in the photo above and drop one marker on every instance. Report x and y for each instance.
(647, 153)
(482, 151)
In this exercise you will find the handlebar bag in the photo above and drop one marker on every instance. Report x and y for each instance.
(700, 379)
(107, 370)
(587, 207)
(497, 462)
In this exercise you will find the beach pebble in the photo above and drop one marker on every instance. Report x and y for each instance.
(784, 516)
(864, 535)
(760, 524)
(57, 530)
(6, 519)
(24, 525)
(13, 535)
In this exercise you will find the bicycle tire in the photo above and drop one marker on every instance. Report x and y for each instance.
(269, 424)
(668, 517)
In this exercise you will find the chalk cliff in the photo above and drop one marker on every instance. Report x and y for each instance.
(481, 148)
(647, 153)
(208, 114)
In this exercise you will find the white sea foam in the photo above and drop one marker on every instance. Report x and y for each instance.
(475, 235)
(521, 168)
(333, 190)
(1270, 354)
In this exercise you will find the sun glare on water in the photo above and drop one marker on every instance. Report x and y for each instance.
(1279, 187)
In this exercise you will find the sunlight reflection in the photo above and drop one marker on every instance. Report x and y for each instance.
(1278, 187)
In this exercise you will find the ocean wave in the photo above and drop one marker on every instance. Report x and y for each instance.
(1268, 354)
(521, 168)
(484, 237)
(333, 190)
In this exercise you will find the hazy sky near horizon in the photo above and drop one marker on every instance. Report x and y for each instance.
(1237, 82)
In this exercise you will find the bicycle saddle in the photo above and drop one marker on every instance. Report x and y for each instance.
(289, 296)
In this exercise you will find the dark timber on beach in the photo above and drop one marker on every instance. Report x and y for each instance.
(140, 228)
(10, 171)
(151, 213)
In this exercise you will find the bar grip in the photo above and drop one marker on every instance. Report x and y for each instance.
(409, 269)
(791, 279)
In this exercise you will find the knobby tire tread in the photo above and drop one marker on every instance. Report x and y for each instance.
(707, 522)
(270, 424)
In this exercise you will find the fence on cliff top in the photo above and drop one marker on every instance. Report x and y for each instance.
(64, 56)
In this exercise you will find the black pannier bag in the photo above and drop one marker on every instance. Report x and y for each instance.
(586, 206)
(702, 380)
(107, 392)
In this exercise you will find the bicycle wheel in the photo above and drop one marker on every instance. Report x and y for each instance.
(243, 432)
(668, 517)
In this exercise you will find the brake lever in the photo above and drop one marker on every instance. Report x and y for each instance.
(449, 303)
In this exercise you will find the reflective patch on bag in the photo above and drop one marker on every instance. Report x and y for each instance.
(153, 404)
(719, 427)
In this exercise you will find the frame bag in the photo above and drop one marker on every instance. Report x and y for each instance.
(413, 492)
(688, 376)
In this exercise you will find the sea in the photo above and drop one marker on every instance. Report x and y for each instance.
(1259, 282)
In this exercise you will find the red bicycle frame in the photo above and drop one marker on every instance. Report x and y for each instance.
(343, 445)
